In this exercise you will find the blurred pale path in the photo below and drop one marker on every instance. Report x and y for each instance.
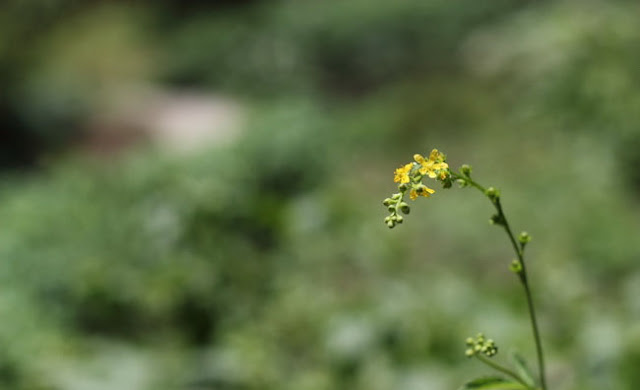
(176, 122)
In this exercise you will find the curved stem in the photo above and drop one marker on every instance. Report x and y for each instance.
(527, 290)
(522, 275)
(502, 369)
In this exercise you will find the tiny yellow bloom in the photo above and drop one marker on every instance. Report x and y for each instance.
(436, 156)
(402, 173)
(433, 164)
(420, 190)
(419, 159)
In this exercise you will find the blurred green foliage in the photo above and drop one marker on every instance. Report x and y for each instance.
(265, 264)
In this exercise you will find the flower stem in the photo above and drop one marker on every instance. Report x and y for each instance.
(527, 289)
(501, 368)
(522, 275)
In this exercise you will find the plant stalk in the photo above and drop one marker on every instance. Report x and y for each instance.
(527, 290)
(522, 275)
(502, 369)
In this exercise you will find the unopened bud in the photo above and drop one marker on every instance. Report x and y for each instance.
(404, 208)
(496, 219)
(492, 193)
(524, 238)
(465, 170)
(515, 266)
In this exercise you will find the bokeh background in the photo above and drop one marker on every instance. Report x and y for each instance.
(190, 191)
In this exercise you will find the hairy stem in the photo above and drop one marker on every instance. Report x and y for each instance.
(527, 290)
(522, 275)
(501, 368)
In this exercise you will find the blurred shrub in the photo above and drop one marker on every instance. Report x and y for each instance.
(71, 59)
(345, 46)
(151, 246)
(82, 54)
(570, 68)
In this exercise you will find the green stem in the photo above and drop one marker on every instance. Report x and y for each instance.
(523, 276)
(502, 369)
(527, 289)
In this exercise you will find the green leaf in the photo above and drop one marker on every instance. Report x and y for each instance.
(523, 370)
(492, 383)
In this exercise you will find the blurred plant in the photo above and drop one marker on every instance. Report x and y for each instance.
(409, 177)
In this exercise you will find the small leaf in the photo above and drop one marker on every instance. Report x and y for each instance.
(523, 370)
(492, 383)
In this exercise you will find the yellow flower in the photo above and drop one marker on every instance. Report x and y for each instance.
(402, 174)
(432, 165)
(436, 156)
(420, 190)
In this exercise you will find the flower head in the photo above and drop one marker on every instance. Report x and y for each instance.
(420, 190)
(402, 173)
(409, 176)
(433, 165)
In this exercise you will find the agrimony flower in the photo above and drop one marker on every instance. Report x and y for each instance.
(431, 167)
(402, 174)
(420, 190)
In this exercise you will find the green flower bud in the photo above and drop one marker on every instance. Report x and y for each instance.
(524, 238)
(391, 224)
(515, 266)
(491, 351)
(399, 218)
(496, 219)
(492, 193)
(396, 197)
(469, 341)
(403, 187)
(404, 207)
(387, 202)
(469, 352)
(462, 183)
(391, 209)
(465, 170)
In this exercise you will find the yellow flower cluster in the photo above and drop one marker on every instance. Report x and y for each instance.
(434, 167)
(431, 166)
(409, 177)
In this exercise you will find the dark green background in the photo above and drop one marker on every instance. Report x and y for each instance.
(264, 263)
